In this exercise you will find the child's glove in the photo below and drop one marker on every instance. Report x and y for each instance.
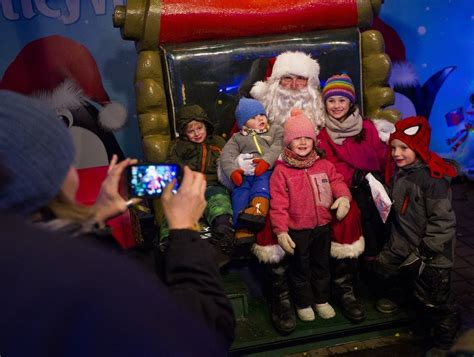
(261, 166)
(245, 162)
(236, 177)
(342, 206)
(285, 241)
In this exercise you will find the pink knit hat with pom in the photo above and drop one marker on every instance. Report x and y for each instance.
(297, 126)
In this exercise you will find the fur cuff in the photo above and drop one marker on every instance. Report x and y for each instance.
(268, 253)
(341, 251)
(259, 90)
(384, 129)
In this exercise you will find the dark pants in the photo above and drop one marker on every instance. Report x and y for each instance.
(374, 230)
(432, 289)
(309, 266)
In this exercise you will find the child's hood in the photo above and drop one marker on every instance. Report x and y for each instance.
(189, 113)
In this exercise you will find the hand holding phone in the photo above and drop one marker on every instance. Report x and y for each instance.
(109, 203)
(149, 180)
(184, 209)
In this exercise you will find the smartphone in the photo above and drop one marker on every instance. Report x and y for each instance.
(149, 180)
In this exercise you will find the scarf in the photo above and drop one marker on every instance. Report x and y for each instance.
(299, 162)
(339, 131)
(247, 131)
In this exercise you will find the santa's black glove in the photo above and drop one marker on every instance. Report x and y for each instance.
(358, 178)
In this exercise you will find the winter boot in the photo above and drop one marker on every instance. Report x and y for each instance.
(244, 236)
(222, 239)
(281, 308)
(223, 234)
(343, 279)
(255, 214)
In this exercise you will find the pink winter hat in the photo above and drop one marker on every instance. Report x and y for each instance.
(296, 126)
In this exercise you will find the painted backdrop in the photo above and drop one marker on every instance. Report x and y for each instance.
(68, 54)
(431, 44)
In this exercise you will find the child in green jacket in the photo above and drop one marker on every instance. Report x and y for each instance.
(199, 149)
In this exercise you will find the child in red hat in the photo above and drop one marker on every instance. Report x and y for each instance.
(421, 244)
(304, 188)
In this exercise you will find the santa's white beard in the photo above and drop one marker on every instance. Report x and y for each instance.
(279, 101)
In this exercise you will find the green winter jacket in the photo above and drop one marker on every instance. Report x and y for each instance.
(199, 157)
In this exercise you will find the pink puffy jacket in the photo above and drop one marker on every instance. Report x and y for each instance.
(301, 198)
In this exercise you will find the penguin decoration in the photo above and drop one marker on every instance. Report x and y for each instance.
(63, 74)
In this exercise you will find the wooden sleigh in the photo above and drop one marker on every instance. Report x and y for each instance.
(202, 52)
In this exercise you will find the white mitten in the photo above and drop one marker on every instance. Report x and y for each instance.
(285, 241)
(342, 206)
(245, 163)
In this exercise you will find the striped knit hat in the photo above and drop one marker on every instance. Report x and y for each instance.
(339, 84)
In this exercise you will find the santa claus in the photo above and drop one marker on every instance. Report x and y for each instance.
(293, 83)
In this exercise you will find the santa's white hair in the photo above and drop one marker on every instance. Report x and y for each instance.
(279, 101)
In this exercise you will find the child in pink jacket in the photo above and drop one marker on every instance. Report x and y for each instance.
(303, 187)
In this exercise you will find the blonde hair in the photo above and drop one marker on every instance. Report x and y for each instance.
(64, 208)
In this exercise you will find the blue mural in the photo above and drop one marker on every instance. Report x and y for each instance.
(431, 44)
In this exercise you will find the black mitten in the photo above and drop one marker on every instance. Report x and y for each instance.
(358, 178)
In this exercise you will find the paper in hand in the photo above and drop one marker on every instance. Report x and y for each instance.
(380, 196)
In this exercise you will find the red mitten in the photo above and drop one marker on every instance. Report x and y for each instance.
(261, 166)
(236, 177)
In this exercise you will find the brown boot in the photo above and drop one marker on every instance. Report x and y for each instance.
(255, 214)
(244, 236)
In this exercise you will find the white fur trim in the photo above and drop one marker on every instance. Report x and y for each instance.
(296, 63)
(113, 116)
(259, 90)
(67, 95)
(403, 75)
(341, 251)
(268, 253)
(384, 129)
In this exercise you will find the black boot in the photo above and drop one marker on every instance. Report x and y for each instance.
(343, 279)
(282, 312)
(222, 237)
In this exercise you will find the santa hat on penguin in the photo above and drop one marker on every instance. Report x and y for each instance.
(62, 73)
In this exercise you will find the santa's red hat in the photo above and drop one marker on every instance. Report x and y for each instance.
(288, 63)
(63, 73)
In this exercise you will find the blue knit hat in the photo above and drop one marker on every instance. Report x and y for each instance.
(36, 151)
(246, 109)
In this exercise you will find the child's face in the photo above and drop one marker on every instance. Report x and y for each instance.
(196, 131)
(257, 122)
(402, 154)
(338, 106)
(302, 146)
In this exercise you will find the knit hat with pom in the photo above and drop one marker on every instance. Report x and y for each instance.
(339, 84)
(297, 126)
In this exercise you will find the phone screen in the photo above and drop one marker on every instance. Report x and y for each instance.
(149, 180)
